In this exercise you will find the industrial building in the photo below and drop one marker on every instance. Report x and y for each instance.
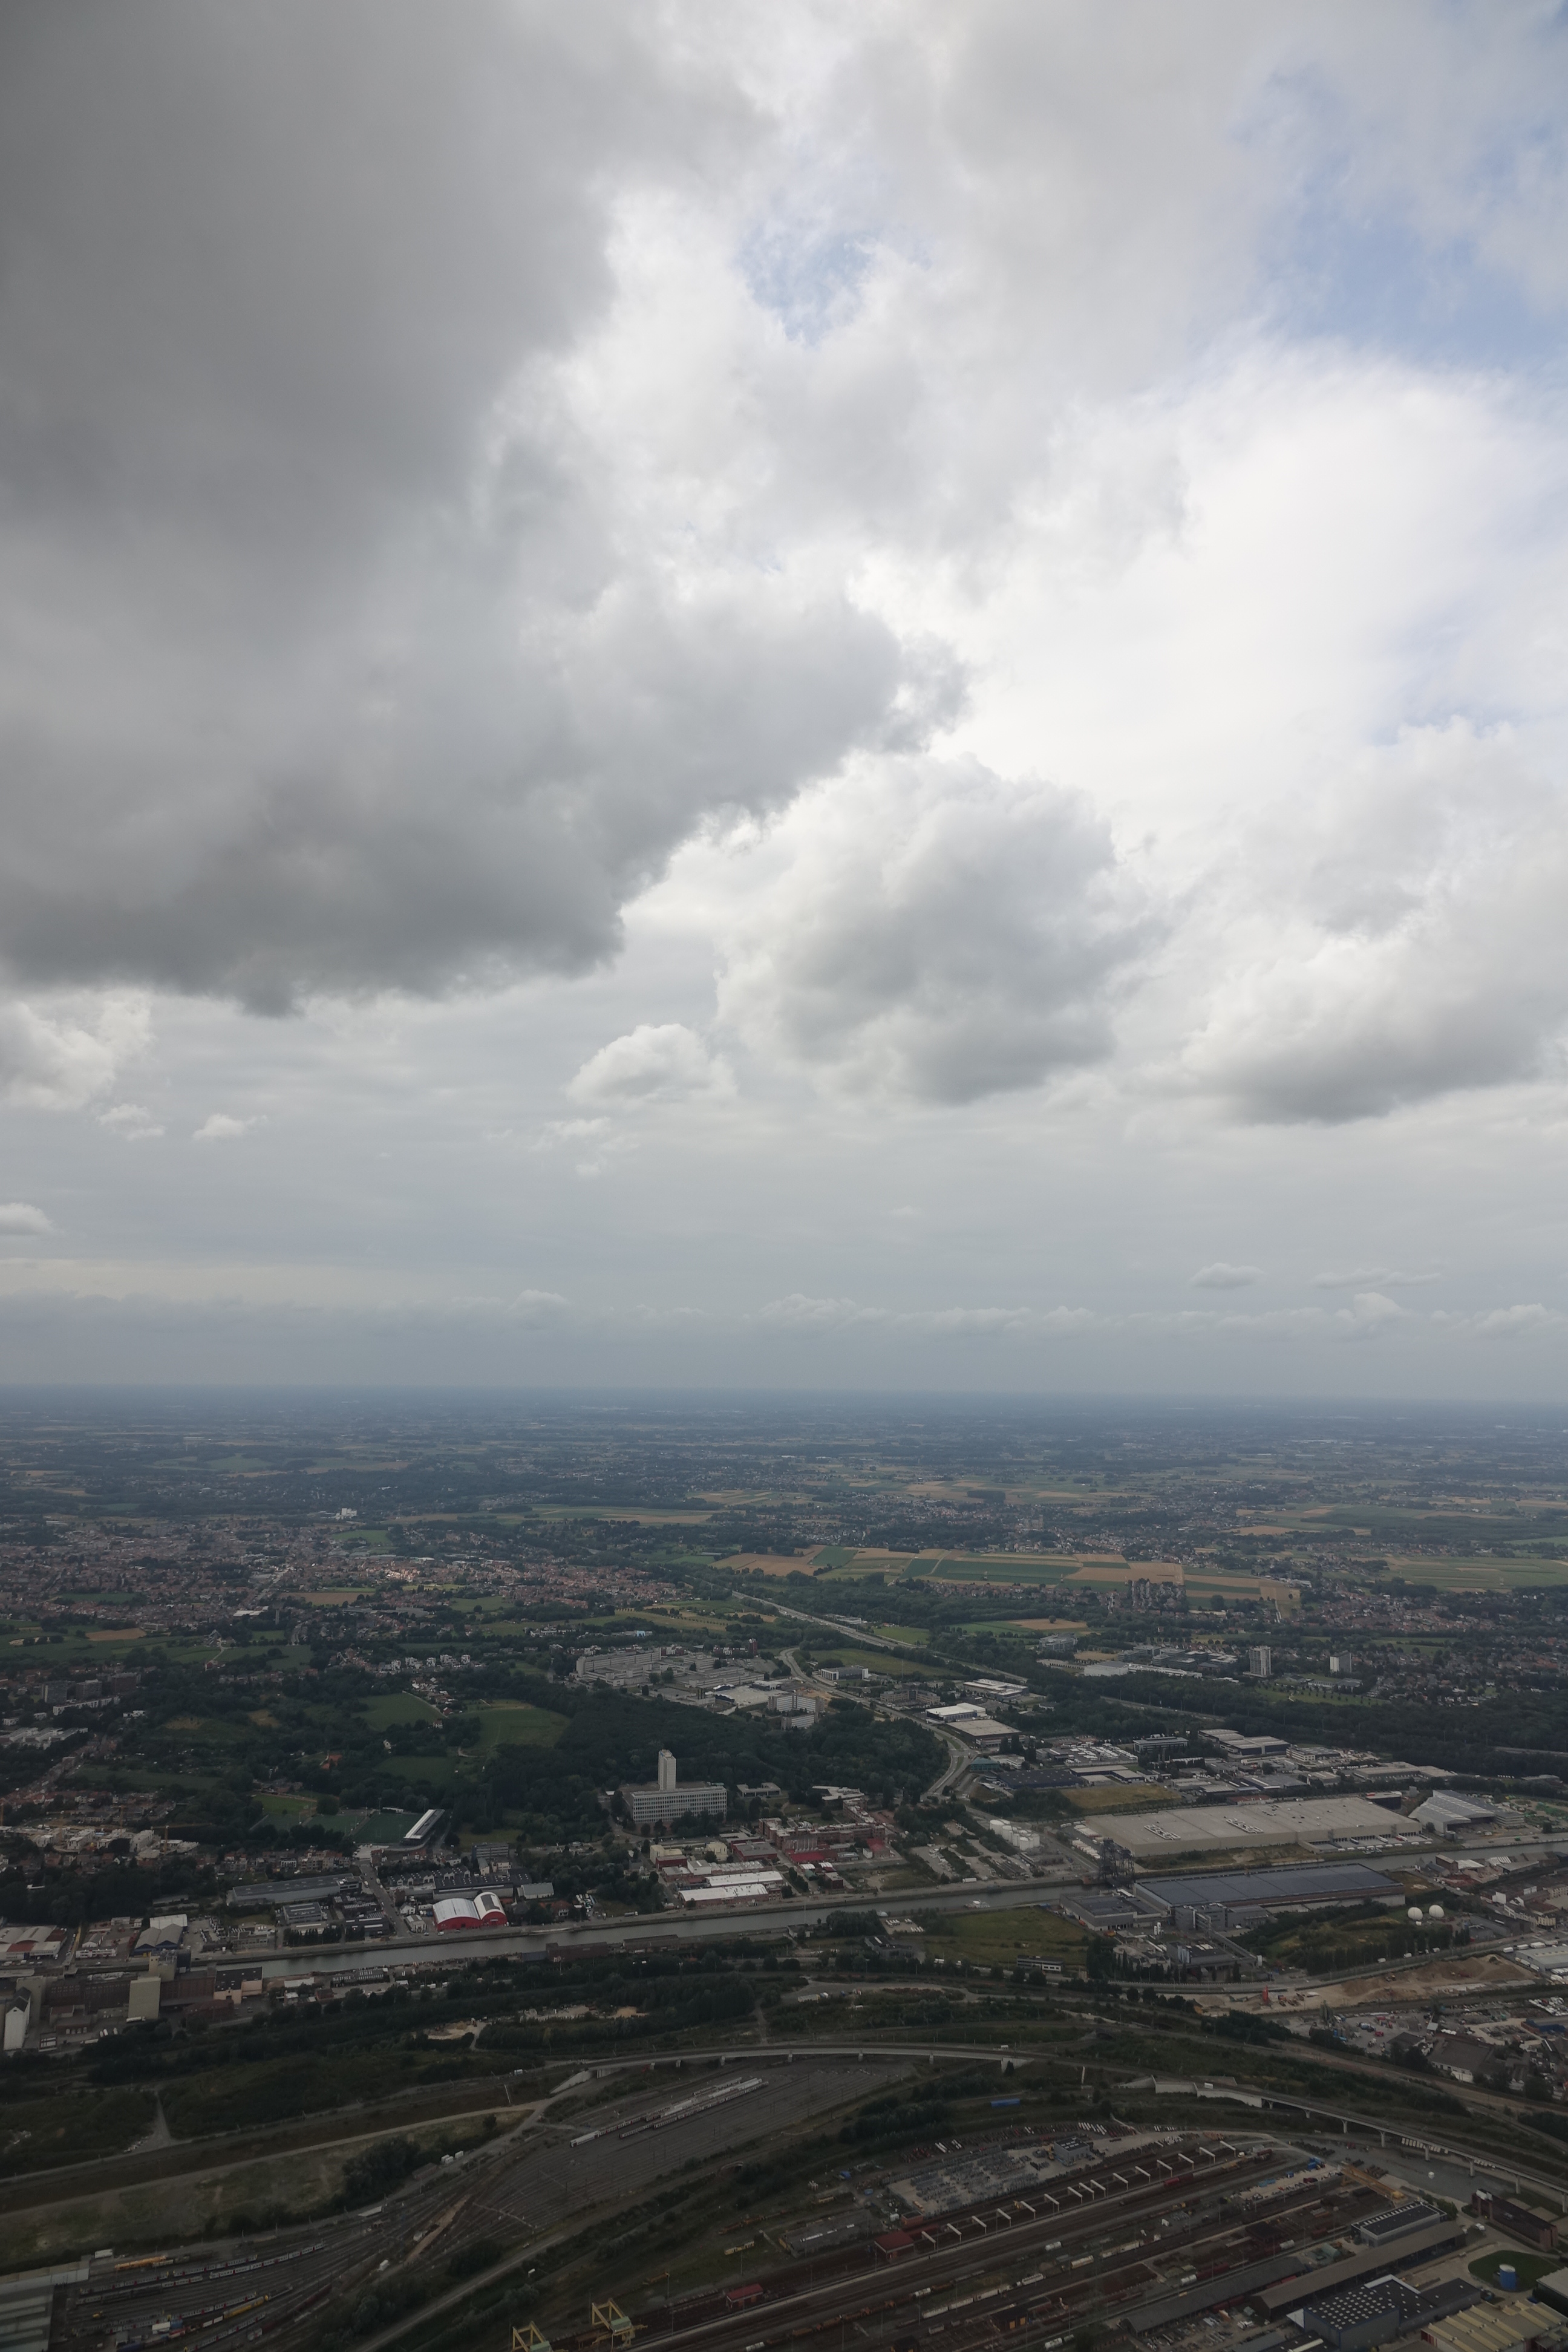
(1360, 2316)
(1258, 1822)
(455, 1913)
(1450, 1815)
(1514, 2221)
(1273, 2301)
(266, 1894)
(669, 1798)
(1296, 1884)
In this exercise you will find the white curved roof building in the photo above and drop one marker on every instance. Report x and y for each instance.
(454, 1912)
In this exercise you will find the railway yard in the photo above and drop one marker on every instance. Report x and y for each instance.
(1009, 2232)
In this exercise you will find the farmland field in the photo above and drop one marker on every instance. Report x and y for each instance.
(1120, 1797)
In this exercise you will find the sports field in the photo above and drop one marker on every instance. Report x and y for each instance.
(509, 1724)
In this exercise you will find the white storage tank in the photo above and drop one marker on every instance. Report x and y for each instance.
(1433, 1911)
(1415, 1913)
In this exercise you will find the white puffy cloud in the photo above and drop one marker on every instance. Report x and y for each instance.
(930, 929)
(537, 1308)
(221, 1126)
(1421, 951)
(654, 1063)
(131, 1120)
(1503, 1322)
(58, 1055)
(20, 1219)
(1222, 1276)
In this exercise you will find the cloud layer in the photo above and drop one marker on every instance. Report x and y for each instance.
(935, 931)
(926, 642)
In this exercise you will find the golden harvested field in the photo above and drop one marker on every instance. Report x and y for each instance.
(1135, 1795)
(768, 1563)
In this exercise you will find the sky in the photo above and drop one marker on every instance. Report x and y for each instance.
(736, 693)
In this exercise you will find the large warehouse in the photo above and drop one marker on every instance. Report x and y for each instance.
(1305, 1821)
(1308, 1882)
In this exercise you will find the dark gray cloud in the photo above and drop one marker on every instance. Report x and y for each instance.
(323, 663)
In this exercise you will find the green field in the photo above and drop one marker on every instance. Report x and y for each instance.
(1001, 1567)
(507, 1724)
(1528, 2268)
(997, 1938)
(1345, 1940)
(399, 1706)
(880, 1661)
(368, 1829)
(438, 1771)
(1483, 1575)
(288, 1808)
(69, 2131)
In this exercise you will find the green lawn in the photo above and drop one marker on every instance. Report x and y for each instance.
(997, 1938)
(382, 1829)
(437, 1770)
(1526, 2267)
(288, 1808)
(398, 1707)
(509, 1724)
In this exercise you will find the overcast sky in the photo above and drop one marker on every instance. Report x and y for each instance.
(786, 694)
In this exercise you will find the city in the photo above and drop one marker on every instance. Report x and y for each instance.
(855, 1732)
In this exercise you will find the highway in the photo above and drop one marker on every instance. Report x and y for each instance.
(771, 1919)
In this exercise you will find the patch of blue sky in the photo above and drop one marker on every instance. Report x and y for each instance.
(810, 279)
(1372, 280)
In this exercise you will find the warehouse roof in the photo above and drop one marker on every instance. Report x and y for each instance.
(1307, 1881)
